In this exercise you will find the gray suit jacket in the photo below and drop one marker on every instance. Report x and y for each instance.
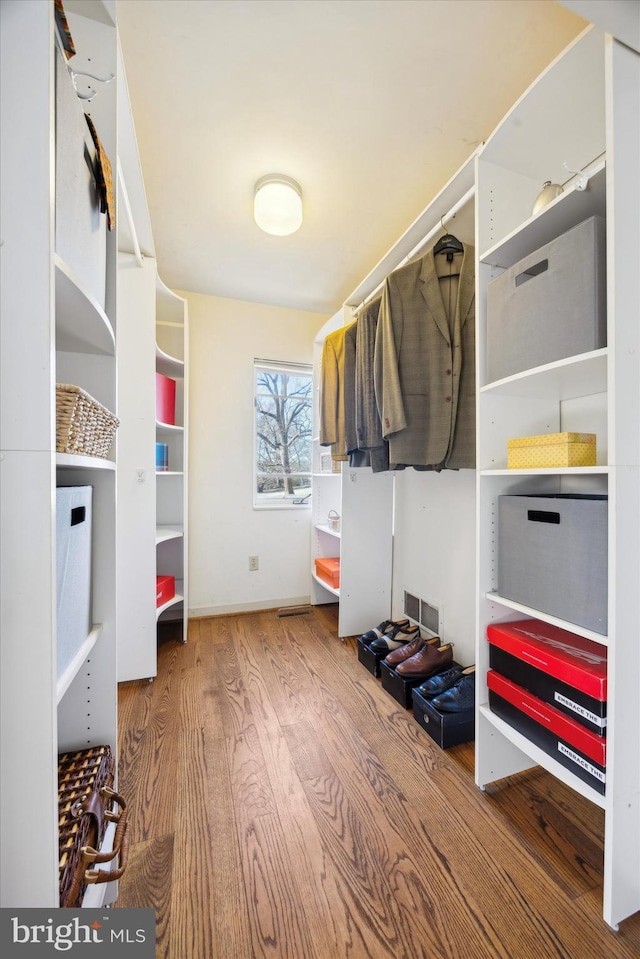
(424, 366)
(332, 393)
(367, 418)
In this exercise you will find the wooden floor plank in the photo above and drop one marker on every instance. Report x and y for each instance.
(193, 903)
(149, 883)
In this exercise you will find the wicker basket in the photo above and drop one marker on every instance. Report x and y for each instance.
(86, 804)
(82, 424)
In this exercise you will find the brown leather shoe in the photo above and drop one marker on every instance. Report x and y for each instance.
(405, 652)
(428, 660)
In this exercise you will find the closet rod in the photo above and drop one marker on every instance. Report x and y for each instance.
(127, 206)
(423, 242)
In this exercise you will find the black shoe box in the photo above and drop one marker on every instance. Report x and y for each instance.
(447, 729)
(400, 687)
(370, 659)
(568, 756)
(565, 739)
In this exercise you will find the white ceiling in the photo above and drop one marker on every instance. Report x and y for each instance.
(371, 105)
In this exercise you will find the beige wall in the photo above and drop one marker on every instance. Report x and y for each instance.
(224, 530)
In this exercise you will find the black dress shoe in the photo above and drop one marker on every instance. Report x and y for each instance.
(381, 630)
(399, 636)
(437, 684)
(459, 697)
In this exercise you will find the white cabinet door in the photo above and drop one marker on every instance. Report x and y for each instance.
(366, 550)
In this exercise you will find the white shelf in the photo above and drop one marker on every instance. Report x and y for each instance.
(169, 365)
(541, 758)
(545, 617)
(82, 326)
(174, 601)
(549, 471)
(79, 461)
(169, 473)
(565, 379)
(323, 528)
(566, 211)
(164, 533)
(329, 589)
(168, 427)
(75, 665)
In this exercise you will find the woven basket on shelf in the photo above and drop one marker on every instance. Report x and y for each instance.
(86, 804)
(82, 424)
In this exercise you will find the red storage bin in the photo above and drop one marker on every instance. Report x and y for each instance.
(165, 399)
(165, 589)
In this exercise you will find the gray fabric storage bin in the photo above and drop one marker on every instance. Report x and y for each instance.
(73, 570)
(552, 555)
(550, 305)
(81, 229)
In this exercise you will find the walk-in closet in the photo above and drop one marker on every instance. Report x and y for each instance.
(343, 661)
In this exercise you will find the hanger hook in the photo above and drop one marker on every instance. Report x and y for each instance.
(582, 178)
(442, 222)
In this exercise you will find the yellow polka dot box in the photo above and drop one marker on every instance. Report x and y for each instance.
(551, 450)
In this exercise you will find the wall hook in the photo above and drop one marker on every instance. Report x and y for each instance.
(91, 92)
(583, 178)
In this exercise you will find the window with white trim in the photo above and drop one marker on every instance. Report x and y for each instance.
(282, 434)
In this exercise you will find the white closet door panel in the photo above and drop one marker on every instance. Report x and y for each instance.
(365, 550)
(434, 555)
(27, 674)
(623, 229)
(137, 644)
(136, 363)
(26, 272)
(622, 825)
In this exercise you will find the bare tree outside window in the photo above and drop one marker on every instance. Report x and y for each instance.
(283, 434)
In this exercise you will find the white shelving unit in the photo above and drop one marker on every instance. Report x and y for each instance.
(584, 110)
(364, 542)
(152, 515)
(171, 485)
(364, 502)
(374, 572)
(55, 328)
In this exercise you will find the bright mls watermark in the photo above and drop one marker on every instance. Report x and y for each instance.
(79, 933)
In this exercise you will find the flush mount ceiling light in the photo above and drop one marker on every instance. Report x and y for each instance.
(277, 205)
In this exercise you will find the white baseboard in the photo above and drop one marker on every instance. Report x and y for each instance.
(225, 610)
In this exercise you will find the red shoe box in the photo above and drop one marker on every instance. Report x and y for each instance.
(165, 589)
(562, 669)
(566, 740)
(165, 399)
(328, 569)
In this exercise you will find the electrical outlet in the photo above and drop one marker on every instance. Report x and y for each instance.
(254, 563)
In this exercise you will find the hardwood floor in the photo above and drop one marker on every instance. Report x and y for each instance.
(284, 805)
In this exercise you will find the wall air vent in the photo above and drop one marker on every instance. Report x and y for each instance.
(411, 606)
(431, 617)
(428, 614)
